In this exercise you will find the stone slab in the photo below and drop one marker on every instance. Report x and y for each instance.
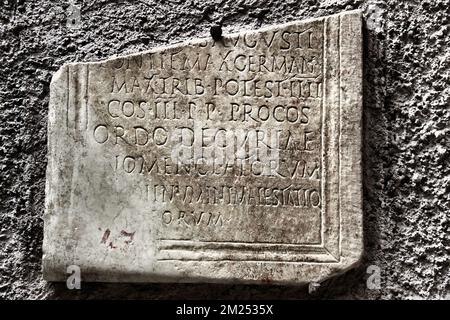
(235, 161)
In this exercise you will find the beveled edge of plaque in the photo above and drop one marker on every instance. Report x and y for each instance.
(350, 243)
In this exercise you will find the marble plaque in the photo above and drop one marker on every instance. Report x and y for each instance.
(235, 160)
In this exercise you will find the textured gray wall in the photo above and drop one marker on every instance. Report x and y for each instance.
(406, 133)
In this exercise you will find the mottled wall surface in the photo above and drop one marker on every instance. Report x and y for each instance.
(406, 133)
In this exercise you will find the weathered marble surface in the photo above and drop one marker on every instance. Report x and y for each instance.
(229, 161)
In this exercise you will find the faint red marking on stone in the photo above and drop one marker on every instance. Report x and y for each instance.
(105, 236)
(111, 245)
(130, 235)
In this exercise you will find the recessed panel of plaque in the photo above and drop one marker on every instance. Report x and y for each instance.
(235, 160)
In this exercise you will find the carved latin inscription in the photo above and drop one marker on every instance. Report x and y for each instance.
(194, 159)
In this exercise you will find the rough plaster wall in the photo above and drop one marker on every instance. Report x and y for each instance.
(406, 146)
